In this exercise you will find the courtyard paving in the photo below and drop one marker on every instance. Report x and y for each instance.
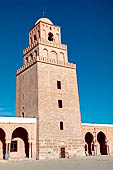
(89, 163)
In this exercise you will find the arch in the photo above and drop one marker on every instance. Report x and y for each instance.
(2, 144)
(35, 37)
(89, 140)
(26, 60)
(35, 54)
(31, 56)
(61, 56)
(101, 138)
(53, 55)
(45, 53)
(20, 136)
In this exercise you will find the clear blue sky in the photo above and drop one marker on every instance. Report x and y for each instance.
(87, 29)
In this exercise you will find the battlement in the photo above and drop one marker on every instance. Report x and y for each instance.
(45, 60)
(44, 42)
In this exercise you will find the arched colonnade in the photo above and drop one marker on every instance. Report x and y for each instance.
(96, 144)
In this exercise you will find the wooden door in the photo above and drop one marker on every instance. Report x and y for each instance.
(62, 152)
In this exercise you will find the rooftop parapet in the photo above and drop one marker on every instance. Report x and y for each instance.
(45, 60)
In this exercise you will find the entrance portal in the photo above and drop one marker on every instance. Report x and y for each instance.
(102, 141)
(89, 140)
(62, 152)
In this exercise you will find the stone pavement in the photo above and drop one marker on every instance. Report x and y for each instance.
(87, 163)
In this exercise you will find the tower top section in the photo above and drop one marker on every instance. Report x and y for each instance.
(45, 41)
(45, 20)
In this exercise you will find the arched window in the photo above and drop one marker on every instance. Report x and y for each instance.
(35, 38)
(22, 114)
(31, 56)
(35, 53)
(61, 56)
(53, 55)
(50, 36)
(45, 53)
(26, 59)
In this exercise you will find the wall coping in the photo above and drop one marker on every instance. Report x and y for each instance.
(47, 61)
(97, 125)
(17, 120)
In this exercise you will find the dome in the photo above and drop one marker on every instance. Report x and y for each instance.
(44, 20)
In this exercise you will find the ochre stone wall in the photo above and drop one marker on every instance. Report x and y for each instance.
(51, 138)
(27, 93)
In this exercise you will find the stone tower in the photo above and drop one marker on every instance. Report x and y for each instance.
(46, 88)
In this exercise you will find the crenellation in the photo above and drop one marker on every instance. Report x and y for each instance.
(47, 61)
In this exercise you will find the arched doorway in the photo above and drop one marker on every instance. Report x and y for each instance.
(19, 143)
(101, 138)
(89, 140)
(2, 144)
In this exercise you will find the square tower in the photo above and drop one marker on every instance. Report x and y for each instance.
(46, 88)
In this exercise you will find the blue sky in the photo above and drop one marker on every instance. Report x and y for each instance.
(87, 29)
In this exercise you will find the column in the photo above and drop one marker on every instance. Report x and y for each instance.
(30, 149)
(108, 151)
(95, 150)
(98, 150)
(7, 153)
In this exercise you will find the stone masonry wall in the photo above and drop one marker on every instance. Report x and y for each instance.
(26, 93)
(51, 138)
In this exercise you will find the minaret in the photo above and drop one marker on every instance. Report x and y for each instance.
(46, 88)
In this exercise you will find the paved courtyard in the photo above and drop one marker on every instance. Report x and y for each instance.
(91, 163)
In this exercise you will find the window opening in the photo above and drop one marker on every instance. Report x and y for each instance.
(35, 38)
(31, 55)
(59, 84)
(50, 36)
(61, 126)
(22, 114)
(27, 59)
(60, 103)
(13, 146)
